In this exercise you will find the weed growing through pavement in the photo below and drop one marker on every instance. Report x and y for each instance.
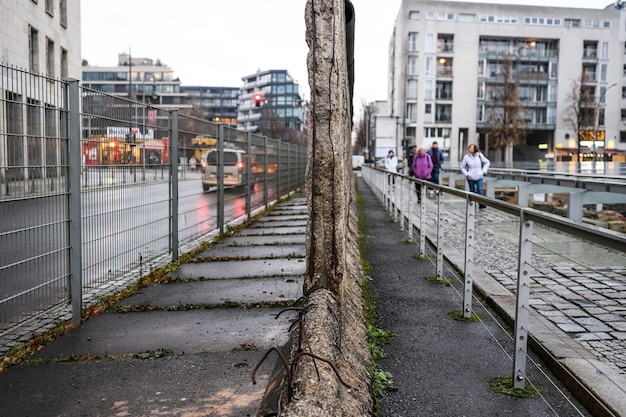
(504, 385)
(382, 381)
(442, 281)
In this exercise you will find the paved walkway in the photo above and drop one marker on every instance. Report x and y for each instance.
(188, 347)
(182, 348)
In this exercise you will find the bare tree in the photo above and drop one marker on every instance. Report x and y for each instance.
(580, 113)
(506, 115)
(362, 131)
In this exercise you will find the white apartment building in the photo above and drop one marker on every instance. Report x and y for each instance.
(447, 60)
(41, 36)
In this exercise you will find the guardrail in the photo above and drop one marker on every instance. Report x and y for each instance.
(97, 190)
(520, 249)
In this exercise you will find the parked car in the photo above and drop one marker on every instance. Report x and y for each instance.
(234, 168)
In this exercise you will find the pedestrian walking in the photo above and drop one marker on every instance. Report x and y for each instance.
(412, 153)
(474, 165)
(422, 169)
(391, 165)
(436, 155)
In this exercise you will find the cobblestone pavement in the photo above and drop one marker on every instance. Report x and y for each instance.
(579, 286)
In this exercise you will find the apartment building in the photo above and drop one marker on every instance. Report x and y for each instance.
(270, 104)
(216, 104)
(451, 63)
(141, 79)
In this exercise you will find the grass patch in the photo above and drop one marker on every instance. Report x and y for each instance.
(442, 281)
(458, 315)
(504, 385)
(422, 258)
(382, 381)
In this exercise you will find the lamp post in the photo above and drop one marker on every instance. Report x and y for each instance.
(596, 121)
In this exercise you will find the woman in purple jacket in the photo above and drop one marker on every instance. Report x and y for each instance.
(422, 169)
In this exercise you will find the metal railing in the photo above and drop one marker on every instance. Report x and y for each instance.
(514, 244)
(97, 190)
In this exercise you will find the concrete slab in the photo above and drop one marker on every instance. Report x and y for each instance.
(254, 252)
(208, 384)
(241, 269)
(218, 291)
(189, 332)
(261, 231)
(280, 223)
(264, 240)
(284, 217)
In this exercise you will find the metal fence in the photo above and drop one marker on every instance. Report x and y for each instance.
(553, 269)
(97, 190)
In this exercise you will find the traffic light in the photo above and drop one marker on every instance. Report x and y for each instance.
(258, 98)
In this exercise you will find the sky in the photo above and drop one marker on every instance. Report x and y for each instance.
(217, 42)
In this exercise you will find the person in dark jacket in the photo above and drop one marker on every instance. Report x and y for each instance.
(436, 155)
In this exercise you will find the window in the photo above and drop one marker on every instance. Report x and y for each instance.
(572, 23)
(430, 42)
(551, 115)
(33, 49)
(467, 17)
(63, 13)
(606, 24)
(429, 66)
(411, 67)
(411, 112)
(604, 72)
(481, 91)
(603, 94)
(480, 116)
(411, 89)
(623, 92)
(591, 23)
(445, 16)
(622, 136)
(428, 108)
(428, 89)
(413, 39)
(623, 114)
(49, 57)
(64, 72)
(430, 15)
(414, 15)
(50, 7)
(601, 113)
(605, 50)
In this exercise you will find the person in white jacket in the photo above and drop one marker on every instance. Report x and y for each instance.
(474, 165)
(391, 165)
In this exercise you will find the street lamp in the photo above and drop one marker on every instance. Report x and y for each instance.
(596, 121)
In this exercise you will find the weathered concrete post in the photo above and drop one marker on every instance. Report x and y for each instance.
(328, 178)
(329, 351)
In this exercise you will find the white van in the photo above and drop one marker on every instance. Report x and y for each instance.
(234, 168)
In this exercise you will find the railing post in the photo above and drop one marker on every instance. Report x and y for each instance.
(440, 212)
(74, 197)
(422, 207)
(220, 179)
(470, 217)
(265, 176)
(174, 184)
(410, 209)
(522, 302)
(249, 179)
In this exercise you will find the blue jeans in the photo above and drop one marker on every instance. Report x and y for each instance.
(476, 186)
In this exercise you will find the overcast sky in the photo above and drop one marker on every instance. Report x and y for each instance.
(217, 42)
